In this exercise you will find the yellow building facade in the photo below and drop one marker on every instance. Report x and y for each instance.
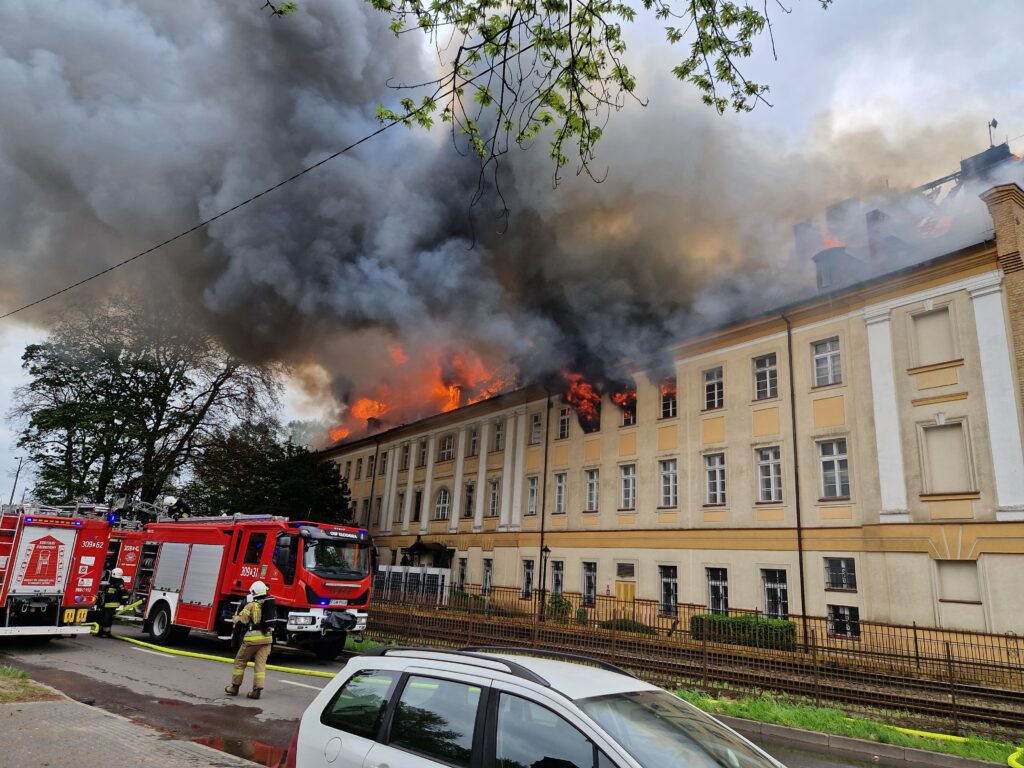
(857, 455)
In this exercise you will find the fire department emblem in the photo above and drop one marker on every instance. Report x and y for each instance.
(45, 558)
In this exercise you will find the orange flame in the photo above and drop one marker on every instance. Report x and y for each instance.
(828, 240)
(668, 387)
(625, 398)
(397, 353)
(364, 408)
(338, 433)
(584, 399)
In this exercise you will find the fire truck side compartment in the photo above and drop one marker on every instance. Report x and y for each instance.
(200, 588)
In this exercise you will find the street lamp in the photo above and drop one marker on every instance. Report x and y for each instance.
(544, 552)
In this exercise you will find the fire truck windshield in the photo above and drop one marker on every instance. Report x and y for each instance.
(336, 559)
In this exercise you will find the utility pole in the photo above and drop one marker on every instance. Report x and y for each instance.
(17, 474)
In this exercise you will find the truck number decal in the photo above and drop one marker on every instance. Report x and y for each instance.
(250, 571)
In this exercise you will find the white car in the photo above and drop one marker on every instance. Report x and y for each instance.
(506, 708)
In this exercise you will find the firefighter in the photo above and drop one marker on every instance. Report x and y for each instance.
(257, 620)
(112, 596)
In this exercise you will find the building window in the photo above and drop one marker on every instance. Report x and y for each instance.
(718, 591)
(401, 504)
(714, 388)
(527, 579)
(359, 469)
(840, 573)
(370, 463)
(669, 405)
(467, 510)
(627, 473)
(557, 577)
(668, 469)
(589, 596)
(383, 463)
(828, 367)
(474, 441)
(844, 621)
(364, 514)
(835, 472)
(462, 574)
(348, 469)
(535, 429)
(447, 449)
(442, 504)
(714, 470)
(769, 474)
(561, 481)
(421, 456)
(629, 414)
(947, 467)
(405, 456)
(495, 495)
(669, 590)
(417, 505)
(498, 441)
(593, 489)
(933, 337)
(776, 593)
(766, 377)
(531, 495)
(563, 423)
(378, 504)
(485, 586)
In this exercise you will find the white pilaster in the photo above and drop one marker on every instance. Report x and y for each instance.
(1000, 402)
(460, 454)
(517, 471)
(889, 448)
(391, 490)
(507, 481)
(482, 444)
(410, 489)
(428, 478)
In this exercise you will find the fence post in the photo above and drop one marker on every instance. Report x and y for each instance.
(615, 652)
(952, 689)
(704, 661)
(814, 658)
(917, 652)
(469, 638)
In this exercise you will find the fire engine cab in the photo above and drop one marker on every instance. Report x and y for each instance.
(51, 561)
(195, 573)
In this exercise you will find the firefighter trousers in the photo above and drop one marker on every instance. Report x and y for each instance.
(256, 653)
(106, 621)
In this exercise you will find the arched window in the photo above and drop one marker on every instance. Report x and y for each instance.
(443, 504)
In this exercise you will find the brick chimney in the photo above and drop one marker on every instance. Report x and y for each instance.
(1006, 207)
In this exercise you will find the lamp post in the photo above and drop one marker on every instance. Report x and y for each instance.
(544, 552)
(17, 474)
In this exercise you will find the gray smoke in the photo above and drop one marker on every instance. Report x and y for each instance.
(124, 123)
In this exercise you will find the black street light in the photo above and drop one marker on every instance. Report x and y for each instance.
(544, 552)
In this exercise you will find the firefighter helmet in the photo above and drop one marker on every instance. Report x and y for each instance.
(258, 588)
(170, 501)
(117, 573)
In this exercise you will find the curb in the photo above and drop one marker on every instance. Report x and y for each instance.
(823, 743)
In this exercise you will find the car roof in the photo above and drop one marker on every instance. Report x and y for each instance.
(577, 680)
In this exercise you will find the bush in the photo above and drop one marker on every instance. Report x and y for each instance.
(755, 631)
(628, 625)
(558, 609)
(581, 615)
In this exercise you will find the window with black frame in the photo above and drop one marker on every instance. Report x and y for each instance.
(359, 706)
(436, 718)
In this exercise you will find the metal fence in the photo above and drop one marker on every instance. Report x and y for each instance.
(942, 678)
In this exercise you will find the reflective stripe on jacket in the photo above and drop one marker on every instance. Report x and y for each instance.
(251, 615)
(114, 594)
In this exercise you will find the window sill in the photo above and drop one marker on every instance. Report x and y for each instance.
(841, 589)
(820, 387)
(772, 503)
(627, 426)
(591, 512)
(713, 410)
(626, 510)
(670, 508)
(960, 602)
(714, 506)
(560, 514)
(769, 399)
(962, 496)
(669, 418)
(833, 499)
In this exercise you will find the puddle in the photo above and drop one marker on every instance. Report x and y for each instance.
(257, 751)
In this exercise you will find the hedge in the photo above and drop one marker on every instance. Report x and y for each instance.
(756, 631)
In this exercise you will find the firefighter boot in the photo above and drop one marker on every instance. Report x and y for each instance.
(254, 693)
(231, 690)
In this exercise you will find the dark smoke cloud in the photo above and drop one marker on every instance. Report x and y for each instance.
(126, 122)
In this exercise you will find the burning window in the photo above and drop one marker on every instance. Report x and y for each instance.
(593, 489)
(827, 362)
(447, 448)
(668, 390)
(563, 423)
(535, 424)
(766, 377)
(561, 488)
(584, 399)
(714, 469)
(625, 398)
(714, 388)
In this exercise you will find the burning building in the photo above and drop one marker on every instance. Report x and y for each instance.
(895, 389)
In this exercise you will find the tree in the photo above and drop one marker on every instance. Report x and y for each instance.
(123, 397)
(248, 470)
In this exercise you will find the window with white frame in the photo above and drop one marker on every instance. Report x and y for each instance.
(627, 476)
(563, 423)
(776, 593)
(463, 565)
(485, 585)
(714, 388)
(494, 498)
(527, 579)
(769, 474)
(557, 577)
(561, 488)
(718, 590)
(945, 458)
(840, 573)
(473, 445)
(844, 621)
(442, 504)
(370, 463)
(535, 424)
(593, 477)
(359, 469)
(668, 469)
(669, 403)
(421, 455)
(532, 484)
(405, 457)
(629, 413)
(835, 470)
(714, 471)
(467, 509)
(589, 594)
(446, 451)
(668, 575)
(828, 367)
(498, 439)
(766, 377)
(382, 470)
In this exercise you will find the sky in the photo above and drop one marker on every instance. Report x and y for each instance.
(125, 122)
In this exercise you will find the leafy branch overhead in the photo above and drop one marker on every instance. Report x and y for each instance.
(511, 70)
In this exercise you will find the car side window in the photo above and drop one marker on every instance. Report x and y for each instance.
(529, 735)
(359, 706)
(436, 719)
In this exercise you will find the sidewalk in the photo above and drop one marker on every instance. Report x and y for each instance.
(65, 732)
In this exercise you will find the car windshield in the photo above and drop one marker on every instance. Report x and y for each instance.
(662, 731)
(336, 559)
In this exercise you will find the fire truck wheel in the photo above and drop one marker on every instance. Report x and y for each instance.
(160, 627)
(329, 650)
(178, 635)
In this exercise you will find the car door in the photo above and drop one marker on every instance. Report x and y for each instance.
(341, 733)
(436, 722)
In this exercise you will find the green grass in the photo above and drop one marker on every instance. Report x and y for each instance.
(16, 686)
(778, 710)
(353, 647)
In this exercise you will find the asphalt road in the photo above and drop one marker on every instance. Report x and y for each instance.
(184, 697)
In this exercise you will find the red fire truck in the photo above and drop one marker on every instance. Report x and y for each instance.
(193, 574)
(51, 563)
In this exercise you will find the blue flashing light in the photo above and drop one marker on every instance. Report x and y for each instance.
(363, 532)
(78, 523)
(30, 519)
(323, 602)
(112, 518)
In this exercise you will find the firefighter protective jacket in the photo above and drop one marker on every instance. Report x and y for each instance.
(113, 595)
(256, 633)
